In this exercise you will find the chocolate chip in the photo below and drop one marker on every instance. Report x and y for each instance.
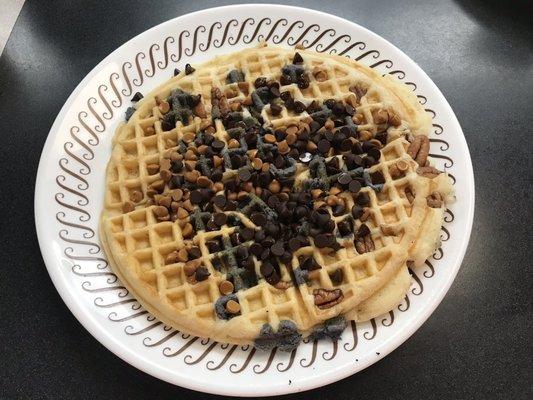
(278, 249)
(374, 153)
(324, 240)
(363, 230)
(299, 107)
(377, 178)
(256, 249)
(258, 218)
(337, 276)
(218, 145)
(357, 211)
(242, 252)
(244, 174)
(275, 109)
(354, 186)
(136, 97)
(220, 218)
(346, 145)
(308, 263)
(344, 178)
(338, 209)
(188, 69)
(201, 274)
(194, 253)
(196, 197)
(362, 199)
(219, 200)
(260, 82)
(297, 59)
(176, 71)
(345, 227)
(247, 233)
(213, 246)
(323, 146)
(294, 244)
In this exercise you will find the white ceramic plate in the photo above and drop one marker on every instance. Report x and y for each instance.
(70, 191)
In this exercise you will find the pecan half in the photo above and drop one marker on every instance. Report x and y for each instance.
(419, 149)
(428, 172)
(359, 90)
(409, 194)
(434, 200)
(325, 298)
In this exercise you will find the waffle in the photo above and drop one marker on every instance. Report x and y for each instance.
(194, 264)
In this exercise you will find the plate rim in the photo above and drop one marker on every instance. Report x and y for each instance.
(131, 356)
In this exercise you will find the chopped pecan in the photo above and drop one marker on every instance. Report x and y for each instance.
(359, 90)
(369, 244)
(419, 149)
(199, 110)
(320, 74)
(282, 285)
(325, 298)
(428, 172)
(434, 200)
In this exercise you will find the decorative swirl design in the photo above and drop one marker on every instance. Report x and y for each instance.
(249, 39)
(205, 46)
(109, 113)
(347, 39)
(83, 199)
(281, 21)
(430, 271)
(233, 367)
(190, 52)
(243, 25)
(166, 350)
(448, 215)
(188, 357)
(118, 101)
(438, 129)
(85, 170)
(404, 306)
(387, 63)
(388, 321)
(438, 254)
(211, 364)
(94, 141)
(129, 329)
(99, 302)
(444, 144)
(268, 364)
(359, 45)
(140, 79)
(175, 57)
(90, 103)
(164, 64)
(373, 53)
(419, 287)
(88, 234)
(352, 347)
(86, 156)
(129, 90)
(69, 253)
(146, 340)
(430, 111)
(93, 247)
(327, 356)
(280, 367)
(422, 99)
(447, 234)
(84, 217)
(83, 185)
(219, 43)
(447, 164)
(151, 72)
(313, 356)
(277, 40)
(398, 74)
(369, 335)
(122, 291)
(330, 32)
(112, 278)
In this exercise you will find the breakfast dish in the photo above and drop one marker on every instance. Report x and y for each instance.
(270, 195)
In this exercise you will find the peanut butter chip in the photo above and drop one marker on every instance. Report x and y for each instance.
(232, 307)
(269, 138)
(136, 196)
(127, 207)
(183, 255)
(257, 163)
(190, 266)
(164, 107)
(292, 129)
(291, 138)
(402, 165)
(152, 169)
(225, 287)
(149, 131)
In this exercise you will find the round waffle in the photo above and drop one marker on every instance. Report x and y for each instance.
(265, 195)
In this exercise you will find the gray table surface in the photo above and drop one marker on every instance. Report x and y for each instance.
(476, 345)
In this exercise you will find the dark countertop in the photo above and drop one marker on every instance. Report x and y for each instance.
(475, 346)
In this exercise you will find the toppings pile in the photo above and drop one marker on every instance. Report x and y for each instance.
(279, 189)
